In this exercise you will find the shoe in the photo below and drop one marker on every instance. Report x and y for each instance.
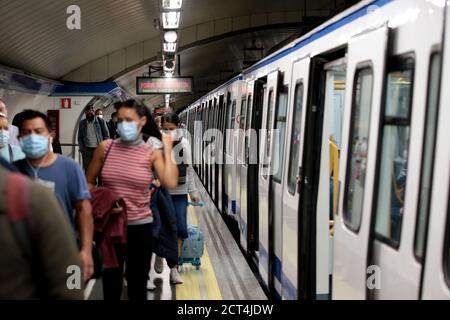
(159, 264)
(150, 285)
(175, 277)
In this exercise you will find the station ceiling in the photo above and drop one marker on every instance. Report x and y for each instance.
(34, 37)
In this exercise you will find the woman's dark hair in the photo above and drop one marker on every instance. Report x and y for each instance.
(170, 118)
(32, 114)
(150, 128)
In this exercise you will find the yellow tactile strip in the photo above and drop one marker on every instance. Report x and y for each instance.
(198, 284)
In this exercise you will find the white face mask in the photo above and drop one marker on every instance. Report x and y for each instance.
(100, 116)
(4, 138)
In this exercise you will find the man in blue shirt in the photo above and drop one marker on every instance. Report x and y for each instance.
(62, 175)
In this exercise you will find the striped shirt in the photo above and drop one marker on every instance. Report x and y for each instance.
(127, 173)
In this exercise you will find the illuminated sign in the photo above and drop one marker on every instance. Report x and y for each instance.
(146, 85)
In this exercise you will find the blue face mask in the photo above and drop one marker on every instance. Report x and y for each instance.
(34, 146)
(128, 131)
(4, 138)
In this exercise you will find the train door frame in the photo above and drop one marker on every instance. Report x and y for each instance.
(351, 243)
(276, 192)
(227, 106)
(299, 84)
(264, 178)
(436, 271)
(329, 162)
(253, 169)
(244, 169)
(210, 164)
(411, 47)
(205, 156)
(219, 153)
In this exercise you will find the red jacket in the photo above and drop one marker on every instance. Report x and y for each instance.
(111, 229)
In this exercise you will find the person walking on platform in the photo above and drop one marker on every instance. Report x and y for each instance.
(92, 130)
(170, 124)
(35, 259)
(60, 174)
(126, 166)
(8, 151)
(112, 126)
(13, 130)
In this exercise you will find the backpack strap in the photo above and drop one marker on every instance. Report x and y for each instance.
(18, 210)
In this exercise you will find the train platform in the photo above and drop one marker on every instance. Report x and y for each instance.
(224, 273)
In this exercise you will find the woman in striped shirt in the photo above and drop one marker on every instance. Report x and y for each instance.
(126, 167)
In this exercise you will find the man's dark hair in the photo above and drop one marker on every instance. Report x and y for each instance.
(88, 108)
(33, 114)
(114, 114)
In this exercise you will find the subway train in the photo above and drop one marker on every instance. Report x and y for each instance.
(352, 118)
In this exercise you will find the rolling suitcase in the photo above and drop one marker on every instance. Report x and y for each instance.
(193, 247)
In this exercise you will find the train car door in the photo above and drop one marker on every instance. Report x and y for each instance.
(436, 274)
(218, 155)
(293, 162)
(399, 187)
(253, 149)
(276, 189)
(244, 172)
(362, 105)
(264, 177)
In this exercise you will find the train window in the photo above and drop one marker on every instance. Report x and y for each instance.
(279, 135)
(295, 138)
(242, 124)
(428, 155)
(392, 173)
(247, 127)
(358, 143)
(271, 106)
(230, 126)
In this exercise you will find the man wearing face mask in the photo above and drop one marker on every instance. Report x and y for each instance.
(91, 132)
(8, 151)
(13, 131)
(61, 175)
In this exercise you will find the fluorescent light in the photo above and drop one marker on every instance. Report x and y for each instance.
(170, 36)
(172, 4)
(169, 47)
(171, 20)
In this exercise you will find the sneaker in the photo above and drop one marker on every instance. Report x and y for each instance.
(150, 285)
(175, 277)
(159, 264)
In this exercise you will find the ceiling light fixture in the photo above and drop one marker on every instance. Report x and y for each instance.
(170, 47)
(170, 36)
(171, 20)
(172, 4)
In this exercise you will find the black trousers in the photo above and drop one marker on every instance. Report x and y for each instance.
(87, 154)
(138, 255)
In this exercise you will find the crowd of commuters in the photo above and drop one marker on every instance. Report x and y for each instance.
(52, 213)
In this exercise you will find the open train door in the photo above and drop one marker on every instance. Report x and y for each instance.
(264, 177)
(291, 191)
(365, 73)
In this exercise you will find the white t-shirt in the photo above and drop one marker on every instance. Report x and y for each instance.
(189, 186)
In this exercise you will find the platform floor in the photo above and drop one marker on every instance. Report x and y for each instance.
(223, 275)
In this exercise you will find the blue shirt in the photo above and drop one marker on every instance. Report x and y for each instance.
(16, 151)
(66, 179)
